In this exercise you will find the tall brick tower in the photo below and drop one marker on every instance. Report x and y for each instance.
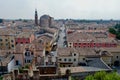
(36, 17)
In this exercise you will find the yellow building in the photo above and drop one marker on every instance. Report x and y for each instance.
(106, 57)
(113, 57)
(7, 39)
(47, 41)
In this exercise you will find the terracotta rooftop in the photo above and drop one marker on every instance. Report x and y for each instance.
(87, 52)
(81, 51)
(65, 51)
(5, 31)
(24, 34)
(84, 37)
(51, 30)
(112, 49)
(45, 38)
(80, 37)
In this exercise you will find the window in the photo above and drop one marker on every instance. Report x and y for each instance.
(74, 59)
(63, 65)
(117, 57)
(17, 62)
(65, 59)
(31, 53)
(16, 43)
(69, 59)
(25, 53)
(60, 59)
(28, 53)
(6, 40)
(83, 58)
(12, 45)
(69, 65)
(75, 43)
(84, 43)
(74, 54)
(27, 61)
(12, 41)
(6, 44)
(0, 39)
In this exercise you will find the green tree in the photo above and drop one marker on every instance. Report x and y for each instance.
(117, 26)
(20, 70)
(112, 76)
(112, 30)
(74, 78)
(90, 77)
(104, 76)
(99, 75)
(118, 36)
(1, 78)
(27, 66)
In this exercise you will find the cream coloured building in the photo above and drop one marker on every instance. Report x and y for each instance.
(113, 57)
(7, 39)
(70, 57)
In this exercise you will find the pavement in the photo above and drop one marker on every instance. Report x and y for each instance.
(61, 37)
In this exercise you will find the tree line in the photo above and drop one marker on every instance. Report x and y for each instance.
(102, 75)
(115, 30)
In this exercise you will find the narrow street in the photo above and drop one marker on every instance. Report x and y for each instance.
(61, 37)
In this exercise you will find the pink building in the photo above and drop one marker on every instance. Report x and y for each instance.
(24, 38)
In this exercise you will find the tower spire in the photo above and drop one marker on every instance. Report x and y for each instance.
(36, 17)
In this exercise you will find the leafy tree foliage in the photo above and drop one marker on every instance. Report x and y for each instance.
(100, 75)
(104, 76)
(90, 77)
(112, 76)
(115, 30)
(1, 78)
(117, 26)
(118, 36)
(112, 30)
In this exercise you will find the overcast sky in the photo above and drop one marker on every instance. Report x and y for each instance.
(75, 9)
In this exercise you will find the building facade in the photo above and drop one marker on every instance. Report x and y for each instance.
(7, 42)
(24, 38)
